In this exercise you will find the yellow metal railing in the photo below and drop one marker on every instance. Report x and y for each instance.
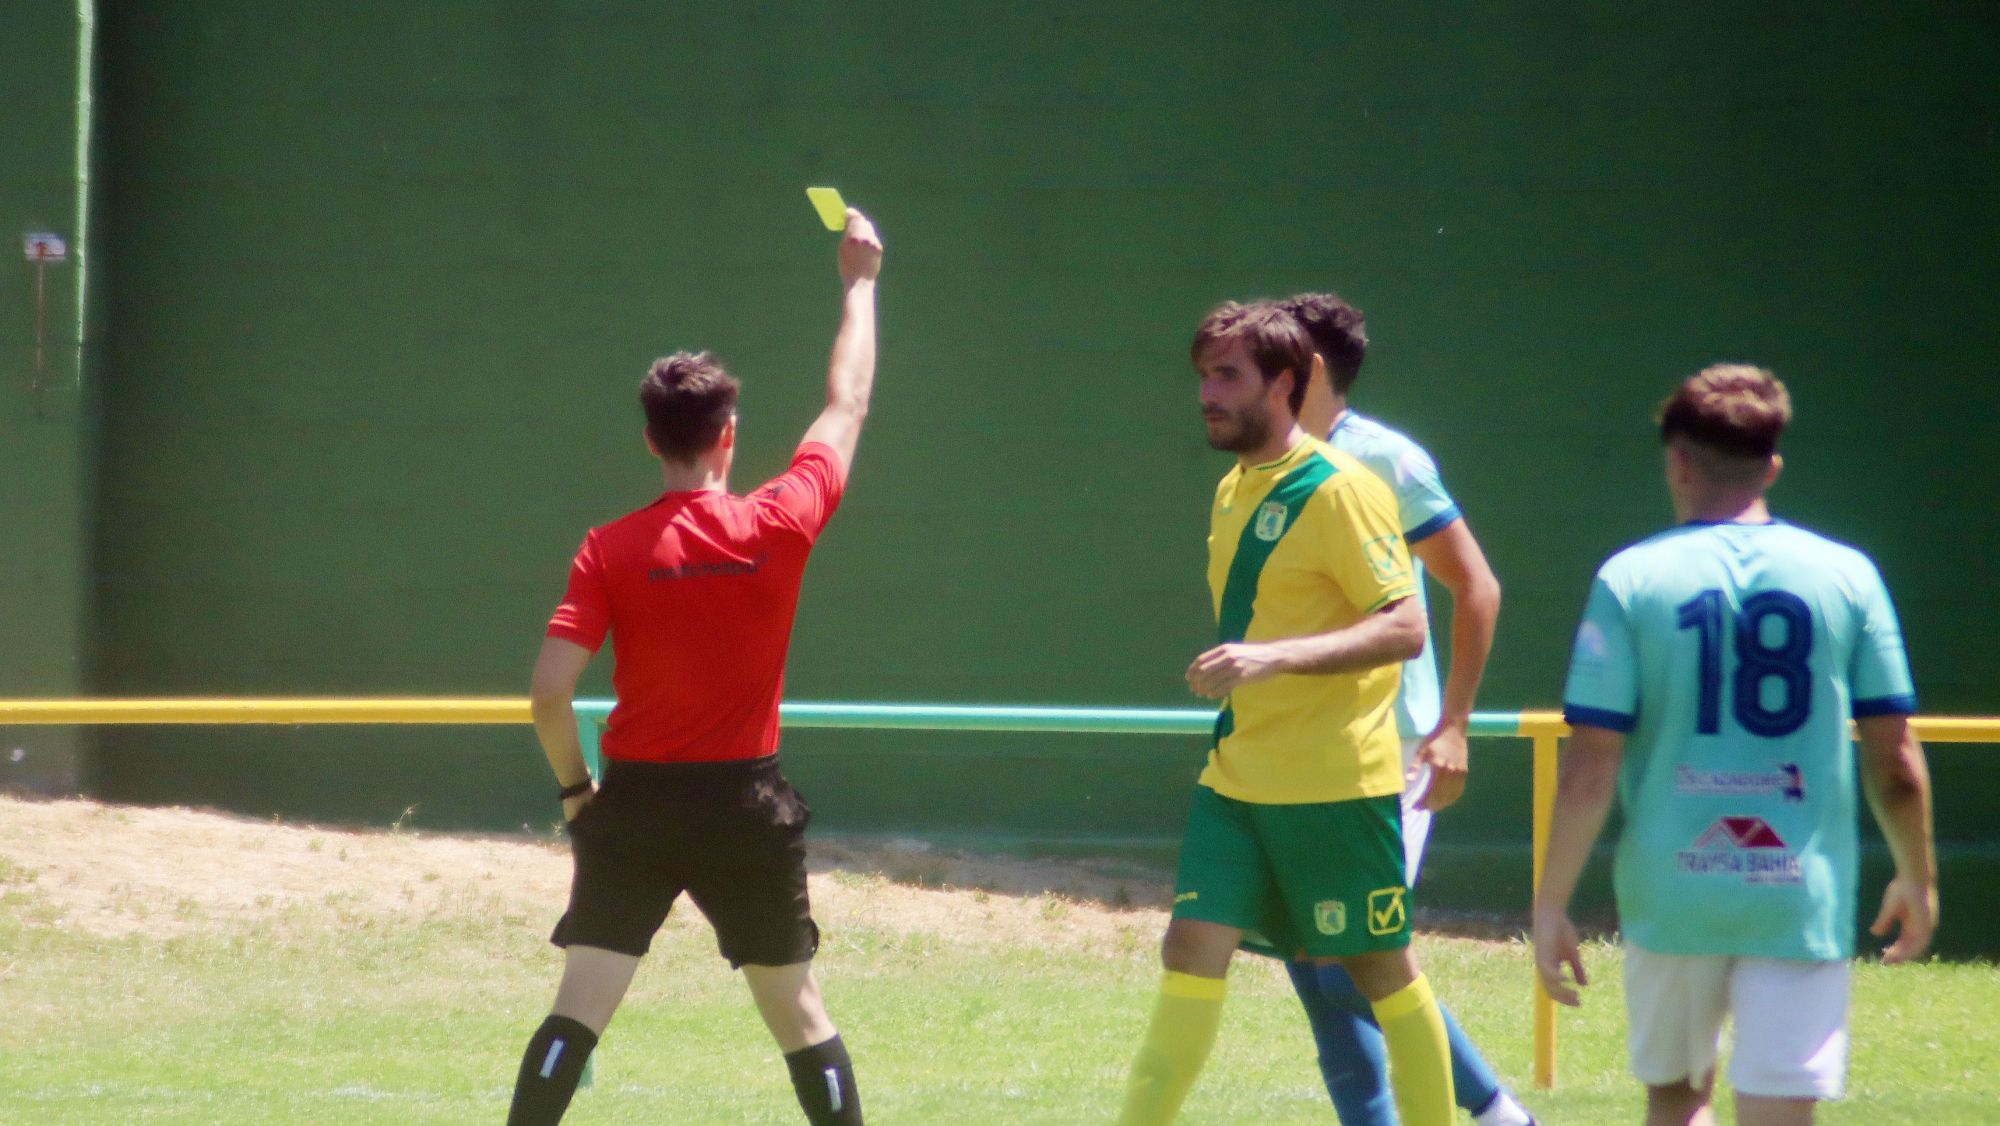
(1544, 729)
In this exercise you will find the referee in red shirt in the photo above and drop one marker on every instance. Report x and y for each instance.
(698, 591)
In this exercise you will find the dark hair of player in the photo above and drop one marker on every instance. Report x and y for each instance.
(1338, 331)
(1275, 340)
(688, 399)
(1729, 417)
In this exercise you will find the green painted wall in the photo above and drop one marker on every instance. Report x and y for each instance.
(44, 434)
(387, 275)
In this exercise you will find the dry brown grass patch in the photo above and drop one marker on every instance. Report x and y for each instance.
(119, 870)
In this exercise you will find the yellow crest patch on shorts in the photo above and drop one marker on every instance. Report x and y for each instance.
(1330, 916)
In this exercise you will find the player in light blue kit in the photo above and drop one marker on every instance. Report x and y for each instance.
(1432, 726)
(1712, 681)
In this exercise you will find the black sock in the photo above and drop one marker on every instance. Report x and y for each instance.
(823, 1077)
(549, 1071)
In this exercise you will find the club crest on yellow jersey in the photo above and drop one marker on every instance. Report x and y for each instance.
(1270, 521)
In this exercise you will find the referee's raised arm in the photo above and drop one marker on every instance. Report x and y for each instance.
(850, 374)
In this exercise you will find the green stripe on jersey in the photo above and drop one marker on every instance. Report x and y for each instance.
(1275, 515)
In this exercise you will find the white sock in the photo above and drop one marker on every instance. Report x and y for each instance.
(1503, 1111)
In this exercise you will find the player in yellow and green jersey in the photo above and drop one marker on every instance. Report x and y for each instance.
(1295, 829)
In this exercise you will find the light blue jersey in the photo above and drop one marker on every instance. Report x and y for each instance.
(1732, 655)
(1425, 509)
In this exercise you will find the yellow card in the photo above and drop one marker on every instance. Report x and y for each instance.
(832, 210)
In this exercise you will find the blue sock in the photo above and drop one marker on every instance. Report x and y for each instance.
(1472, 1078)
(1353, 1061)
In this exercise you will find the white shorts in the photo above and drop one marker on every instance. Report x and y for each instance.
(1791, 1022)
(1416, 822)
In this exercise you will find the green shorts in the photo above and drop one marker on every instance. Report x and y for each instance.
(1325, 879)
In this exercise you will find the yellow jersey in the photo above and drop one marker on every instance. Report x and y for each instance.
(1306, 544)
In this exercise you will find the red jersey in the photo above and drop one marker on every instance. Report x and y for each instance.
(698, 591)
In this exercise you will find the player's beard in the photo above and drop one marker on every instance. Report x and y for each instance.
(1242, 430)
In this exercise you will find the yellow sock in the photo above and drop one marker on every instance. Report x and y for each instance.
(1419, 1055)
(1175, 1047)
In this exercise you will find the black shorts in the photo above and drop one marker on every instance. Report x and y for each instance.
(730, 834)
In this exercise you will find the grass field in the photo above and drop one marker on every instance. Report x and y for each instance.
(169, 966)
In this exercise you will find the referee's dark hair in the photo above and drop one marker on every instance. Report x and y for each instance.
(688, 399)
(1275, 340)
(1339, 333)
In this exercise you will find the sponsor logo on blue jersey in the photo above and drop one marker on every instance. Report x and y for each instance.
(1786, 781)
(1745, 848)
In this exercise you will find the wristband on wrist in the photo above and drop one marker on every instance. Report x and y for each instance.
(575, 791)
